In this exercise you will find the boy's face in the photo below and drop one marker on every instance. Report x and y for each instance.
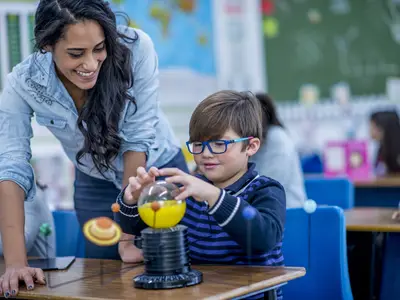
(226, 168)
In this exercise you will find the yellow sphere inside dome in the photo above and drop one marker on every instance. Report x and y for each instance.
(158, 207)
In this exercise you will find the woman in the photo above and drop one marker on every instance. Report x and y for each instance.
(277, 157)
(385, 129)
(94, 86)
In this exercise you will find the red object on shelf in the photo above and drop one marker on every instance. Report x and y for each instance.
(267, 7)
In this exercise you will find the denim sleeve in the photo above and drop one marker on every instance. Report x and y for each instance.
(15, 135)
(138, 129)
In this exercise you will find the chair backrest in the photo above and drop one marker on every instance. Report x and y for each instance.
(69, 237)
(312, 164)
(317, 242)
(330, 191)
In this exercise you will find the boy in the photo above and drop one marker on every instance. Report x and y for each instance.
(225, 130)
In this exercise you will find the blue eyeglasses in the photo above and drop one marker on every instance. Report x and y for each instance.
(215, 147)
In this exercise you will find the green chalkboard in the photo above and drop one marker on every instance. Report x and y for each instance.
(324, 42)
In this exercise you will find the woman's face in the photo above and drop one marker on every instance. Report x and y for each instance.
(375, 132)
(80, 53)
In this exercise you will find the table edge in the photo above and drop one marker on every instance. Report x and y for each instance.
(299, 272)
(373, 228)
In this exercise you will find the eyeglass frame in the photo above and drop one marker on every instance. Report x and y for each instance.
(207, 144)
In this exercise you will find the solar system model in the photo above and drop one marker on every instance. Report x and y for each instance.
(165, 244)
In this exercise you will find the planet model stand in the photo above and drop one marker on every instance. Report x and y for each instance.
(165, 244)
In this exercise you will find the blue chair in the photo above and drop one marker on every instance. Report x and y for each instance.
(69, 237)
(330, 191)
(311, 164)
(317, 242)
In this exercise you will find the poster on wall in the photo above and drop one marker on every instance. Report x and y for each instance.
(182, 32)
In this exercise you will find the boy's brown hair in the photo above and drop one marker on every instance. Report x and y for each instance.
(224, 110)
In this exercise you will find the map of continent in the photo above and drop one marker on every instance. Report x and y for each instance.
(180, 29)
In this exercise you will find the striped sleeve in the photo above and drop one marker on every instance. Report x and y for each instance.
(266, 227)
(128, 217)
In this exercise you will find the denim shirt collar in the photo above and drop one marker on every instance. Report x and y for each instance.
(241, 182)
(43, 67)
(45, 83)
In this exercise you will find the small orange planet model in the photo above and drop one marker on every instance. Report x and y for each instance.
(115, 207)
(102, 231)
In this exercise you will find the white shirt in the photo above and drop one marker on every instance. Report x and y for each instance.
(278, 159)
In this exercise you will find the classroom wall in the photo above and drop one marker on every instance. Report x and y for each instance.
(312, 127)
(206, 45)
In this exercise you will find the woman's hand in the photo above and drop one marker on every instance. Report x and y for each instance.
(137, 183)
(9, 281)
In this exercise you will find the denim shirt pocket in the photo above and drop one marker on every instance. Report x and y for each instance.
(51, 122)
(59, 128)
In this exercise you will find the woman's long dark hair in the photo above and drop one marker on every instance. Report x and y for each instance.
(270, 115)
(389, 149)
(99, 118)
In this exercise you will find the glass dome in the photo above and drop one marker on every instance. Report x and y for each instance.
(158, 207)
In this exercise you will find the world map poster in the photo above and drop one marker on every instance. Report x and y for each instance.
(181, 30)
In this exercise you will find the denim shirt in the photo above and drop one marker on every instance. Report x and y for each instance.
(33, 88)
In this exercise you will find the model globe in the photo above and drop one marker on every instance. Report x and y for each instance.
(158, 207)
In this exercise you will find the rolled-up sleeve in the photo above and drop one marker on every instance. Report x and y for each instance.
(138, 130)
(15, 136)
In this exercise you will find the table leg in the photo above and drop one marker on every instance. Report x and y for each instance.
(377, 250)
(270, 295)
(373, 264)
(360, 248)
(390, 284)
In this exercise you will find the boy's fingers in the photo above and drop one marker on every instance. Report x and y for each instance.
(154, 172)
(134, 185)
(170, 172)
(177, 180)
(141, 173)
(182, 196)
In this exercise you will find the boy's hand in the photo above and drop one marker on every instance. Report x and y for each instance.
(128, 252)
(396, 215)
(191, 186)
(136, 184)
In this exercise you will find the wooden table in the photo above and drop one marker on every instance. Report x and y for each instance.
(390, 181)
(378, 220)
(83, 281)
(372, 219)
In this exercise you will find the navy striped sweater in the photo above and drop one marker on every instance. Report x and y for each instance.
(219, 234)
